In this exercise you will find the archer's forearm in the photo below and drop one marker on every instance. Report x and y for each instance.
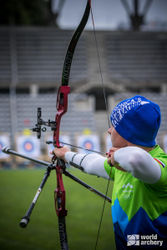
(91, 163)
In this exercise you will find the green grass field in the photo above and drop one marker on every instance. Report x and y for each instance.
(17, 189)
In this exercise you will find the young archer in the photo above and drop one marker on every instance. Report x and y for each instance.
(138, 168)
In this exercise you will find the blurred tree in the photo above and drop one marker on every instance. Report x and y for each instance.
(26, 12)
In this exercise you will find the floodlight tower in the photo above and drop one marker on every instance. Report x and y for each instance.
(136, 18)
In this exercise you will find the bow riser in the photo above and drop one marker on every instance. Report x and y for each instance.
(62, 106)
(60, 195)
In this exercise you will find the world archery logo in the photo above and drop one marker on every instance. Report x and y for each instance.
(133, 240)
(144, 240)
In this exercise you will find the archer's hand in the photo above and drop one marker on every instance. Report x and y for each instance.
(110, 156)
(111, 161)
(60, 152)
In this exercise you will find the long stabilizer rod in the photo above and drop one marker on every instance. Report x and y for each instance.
(7, 150)
(87, 186)
(25, 220)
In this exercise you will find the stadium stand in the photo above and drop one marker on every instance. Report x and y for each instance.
(5, 119)
(39, 54)
(137, 58)
(34, 56)
(5, 56)
(76, 120)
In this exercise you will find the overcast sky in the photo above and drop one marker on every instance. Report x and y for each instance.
(108, 14)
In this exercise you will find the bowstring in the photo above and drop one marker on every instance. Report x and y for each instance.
(108, 120)
(100, 69)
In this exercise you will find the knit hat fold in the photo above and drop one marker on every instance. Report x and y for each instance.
(137, 120)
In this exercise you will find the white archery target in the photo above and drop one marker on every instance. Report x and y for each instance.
(4, 141)
(90, 142)
(28, 145)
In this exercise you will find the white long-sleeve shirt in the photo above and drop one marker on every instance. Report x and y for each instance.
(132, 159)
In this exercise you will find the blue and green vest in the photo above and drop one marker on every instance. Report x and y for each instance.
(139, 208)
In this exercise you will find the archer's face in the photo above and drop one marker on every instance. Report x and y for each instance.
(117, 140)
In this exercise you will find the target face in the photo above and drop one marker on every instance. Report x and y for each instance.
(90, 142)
(28, 145)
(4, 141)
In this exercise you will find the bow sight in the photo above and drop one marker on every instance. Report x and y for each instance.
(62, 104)
(40, 122)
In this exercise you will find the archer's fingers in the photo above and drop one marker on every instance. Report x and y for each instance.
(109, 161)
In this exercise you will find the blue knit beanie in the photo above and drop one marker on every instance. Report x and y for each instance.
(137, 120)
